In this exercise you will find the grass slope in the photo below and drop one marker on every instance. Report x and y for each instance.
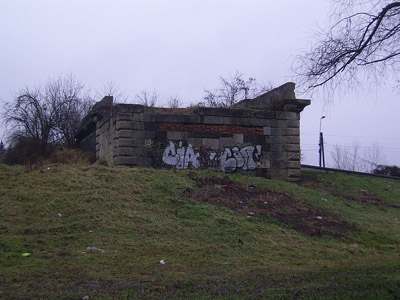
(141, 216)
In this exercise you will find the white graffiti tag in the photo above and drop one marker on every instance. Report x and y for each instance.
(227, 161)
(181, 157)
(244, 158)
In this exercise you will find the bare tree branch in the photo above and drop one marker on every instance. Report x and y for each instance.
(360, 42)
(49, 114)
(232, 90)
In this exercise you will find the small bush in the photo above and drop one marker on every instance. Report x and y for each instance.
(387, 170)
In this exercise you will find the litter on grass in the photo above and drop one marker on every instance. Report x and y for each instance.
(96, 249)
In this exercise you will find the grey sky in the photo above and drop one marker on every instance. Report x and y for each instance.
(179, 48)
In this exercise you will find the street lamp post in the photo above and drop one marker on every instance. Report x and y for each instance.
(321, 144)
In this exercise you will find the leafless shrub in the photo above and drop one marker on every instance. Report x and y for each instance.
(147, 98)
(232, 90)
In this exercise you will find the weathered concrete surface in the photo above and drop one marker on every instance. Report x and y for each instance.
(260, 135)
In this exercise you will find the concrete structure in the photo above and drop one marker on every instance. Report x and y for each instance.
(260, 135)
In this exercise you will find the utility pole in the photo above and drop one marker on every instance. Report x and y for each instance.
(321, 144)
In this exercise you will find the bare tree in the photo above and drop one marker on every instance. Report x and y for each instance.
(372, 157)
(174, 102)
(232, 90)
(363, 41)
(147, 98)
(354, 159)
(110, 89)
(49, 114)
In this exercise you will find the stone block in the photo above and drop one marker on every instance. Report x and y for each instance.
(265, 164)
(150, 134)
(293, 164)
(274, 139)
(292, 131)
(176, 135)
(188, 119)
(244, 121)
(232, 121)
(208, 135)
(227, 112)
(124, 116)
(139, 134)
(277, 147)
(267, 130)
(238, 138)
(254, 139)
(293, 156)
(138, 125)
(277, 123)
(287, 115)
(139, 151)
(226, 143)
(213, 120)
(280, 115)
(150, 126)
(293, 124)
(278, 131)
(292, 139)
(195, 142)
(123, 125)
(169, 118)
(124, 142)
(292, 115)
(266, 147)
(210, 144)
(292, 147)
(136, 117)
(255, 122)
(123, 151)
(265, 114)
(147, 117)
(278, 155)
(124, 133)
(129, 108)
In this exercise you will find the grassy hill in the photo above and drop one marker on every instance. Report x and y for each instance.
(220, 236)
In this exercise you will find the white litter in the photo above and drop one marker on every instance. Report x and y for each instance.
(94, 248)
(162, 262)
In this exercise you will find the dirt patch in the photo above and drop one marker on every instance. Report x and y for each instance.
(270, 205)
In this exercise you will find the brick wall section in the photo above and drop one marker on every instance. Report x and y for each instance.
(134, 135)
(211, 128)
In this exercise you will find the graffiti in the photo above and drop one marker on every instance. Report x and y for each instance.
(181, 157)
(244, 158)
(227, 161)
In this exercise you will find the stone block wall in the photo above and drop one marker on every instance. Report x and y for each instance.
(260, 135)
(226, 139)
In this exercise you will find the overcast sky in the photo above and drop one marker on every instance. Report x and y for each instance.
(181, 47)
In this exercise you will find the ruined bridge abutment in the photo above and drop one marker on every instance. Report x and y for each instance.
(260, 135)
